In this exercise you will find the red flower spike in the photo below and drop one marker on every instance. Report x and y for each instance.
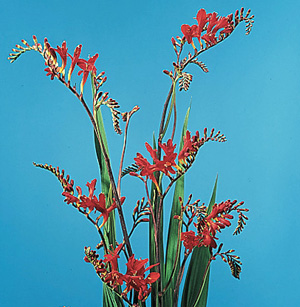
(74, 59)
(87, 67)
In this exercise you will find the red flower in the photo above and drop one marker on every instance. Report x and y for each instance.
(165, 165)
(146, 168)
(168, 161)
(91, 202)
(113, 256)
(202, 20)
(87, 67)
(135, 277)
(190, 32)
(114, 277)
(50, 72)
(191, 146)
(75, 59)
(208, 239)
(190, 240)
(215, 24)
(62, 51)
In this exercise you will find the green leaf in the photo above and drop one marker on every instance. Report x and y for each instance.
(172, 244)
(173, 99)
(196, 270)
(154, 292)
(109, 297)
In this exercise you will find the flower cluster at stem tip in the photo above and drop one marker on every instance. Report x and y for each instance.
(134, 278)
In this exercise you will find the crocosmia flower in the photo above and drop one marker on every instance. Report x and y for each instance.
(74, 59)
(91, 202)
(87, 67)
(62, 51)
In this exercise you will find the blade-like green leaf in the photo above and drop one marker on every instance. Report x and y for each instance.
(110, 298)
(173, 99)
(172, 253)
(196, 270)
(110, 225)
(152, 259)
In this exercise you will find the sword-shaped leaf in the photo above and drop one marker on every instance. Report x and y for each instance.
(196, 271)
(172, 262)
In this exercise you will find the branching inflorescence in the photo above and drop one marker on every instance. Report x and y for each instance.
(167, 168)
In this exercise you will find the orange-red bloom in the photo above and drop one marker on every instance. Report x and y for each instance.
(114, 277)
(211, 23)
(190, 240)
(75, 59)
(215, 24)
(209, 225)
(135, 277)
(166, 165)
(190, 32)
(62, 51)
(91, 202)
(168, 162)
(87, 67)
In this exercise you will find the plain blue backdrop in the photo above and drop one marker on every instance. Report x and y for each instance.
(251, 94)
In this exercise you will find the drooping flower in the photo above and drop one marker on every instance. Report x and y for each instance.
(87, 67)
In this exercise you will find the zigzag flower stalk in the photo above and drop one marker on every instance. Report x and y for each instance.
(186, 247)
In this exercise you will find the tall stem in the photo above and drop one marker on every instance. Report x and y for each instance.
(105, 155)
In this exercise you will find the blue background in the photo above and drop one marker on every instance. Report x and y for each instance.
(251, 94)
